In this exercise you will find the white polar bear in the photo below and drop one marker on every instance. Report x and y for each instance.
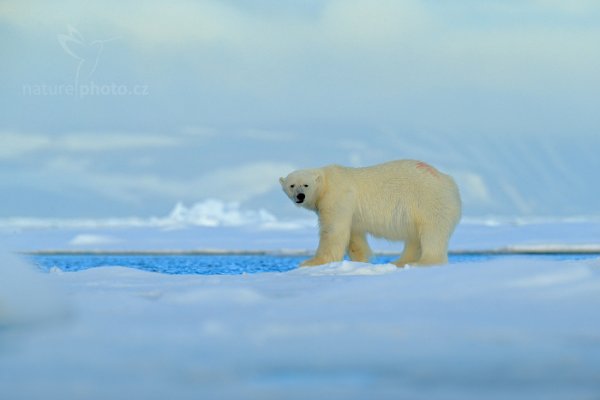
(403, 200)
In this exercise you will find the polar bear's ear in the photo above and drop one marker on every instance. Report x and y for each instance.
(319, 178)
(281, 181)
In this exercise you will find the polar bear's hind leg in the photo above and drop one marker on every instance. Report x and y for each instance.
(434, 247)
(358, 248)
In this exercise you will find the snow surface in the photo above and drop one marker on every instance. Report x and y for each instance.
(517, 328)
(26, 296)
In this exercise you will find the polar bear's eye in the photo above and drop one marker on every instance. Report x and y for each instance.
(292, 186)
(305, 185)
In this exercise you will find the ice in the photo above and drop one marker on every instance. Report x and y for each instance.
(208, 296)
(214, 213)
(506, 328)
(573, 276)
(26, 296)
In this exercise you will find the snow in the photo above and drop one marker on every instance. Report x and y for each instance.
(25, 295)
(348, 268)
(512, 327)
(506, 328)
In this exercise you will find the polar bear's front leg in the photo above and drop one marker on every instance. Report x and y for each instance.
(334, 236)
(411, 253)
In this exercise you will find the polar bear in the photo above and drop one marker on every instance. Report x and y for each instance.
(404, 200)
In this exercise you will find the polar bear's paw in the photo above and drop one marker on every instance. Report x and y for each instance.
(312, 262)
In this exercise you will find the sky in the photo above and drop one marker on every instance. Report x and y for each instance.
(123, 108)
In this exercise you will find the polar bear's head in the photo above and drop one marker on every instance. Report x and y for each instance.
(303, 187)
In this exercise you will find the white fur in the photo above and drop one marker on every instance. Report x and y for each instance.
(403, 200)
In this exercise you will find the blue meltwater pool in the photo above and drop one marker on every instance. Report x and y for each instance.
(231, 264)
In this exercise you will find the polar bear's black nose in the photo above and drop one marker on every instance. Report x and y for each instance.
(300, 197)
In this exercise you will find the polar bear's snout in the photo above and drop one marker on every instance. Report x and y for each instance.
(302, 187)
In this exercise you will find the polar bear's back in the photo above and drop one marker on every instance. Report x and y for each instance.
(393, 199)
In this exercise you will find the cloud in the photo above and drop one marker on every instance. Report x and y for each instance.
(202, 21)
(386, 49)
(575, 7)
(199, 131)
(268, 135)
(332, 23)
(208, 213)
(232, 183)
(112, 141)
(359, 23)
(88, 239)
(473, 188)
(15, 145)
(431, 73)
(243, 182)
(70, 163)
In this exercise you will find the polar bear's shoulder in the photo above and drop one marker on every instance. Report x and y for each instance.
(333, 170)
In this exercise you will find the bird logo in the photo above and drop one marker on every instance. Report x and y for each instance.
(87, 53)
